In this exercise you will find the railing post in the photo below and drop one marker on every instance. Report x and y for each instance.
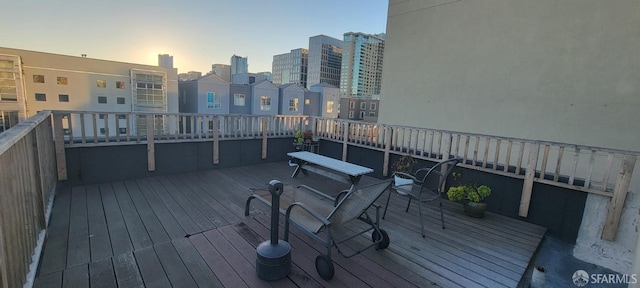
(387, 148)
(61, 160)
(216, 141)
(264, 138)
(345, 140)
(527, 187)
(617, 200)
(151, 154)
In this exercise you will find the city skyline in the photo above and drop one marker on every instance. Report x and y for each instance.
(196, 35)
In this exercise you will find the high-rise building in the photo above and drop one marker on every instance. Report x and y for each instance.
(361, 65)
(267, 75)
(222, 70)
(165, 60)
(291, 68)
(239, 64)
(191, 75)
(325, 60)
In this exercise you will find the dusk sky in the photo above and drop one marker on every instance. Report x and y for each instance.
(197, 33)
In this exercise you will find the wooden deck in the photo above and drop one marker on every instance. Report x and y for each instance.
(189, 230)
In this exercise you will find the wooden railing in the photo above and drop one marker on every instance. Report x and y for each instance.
(85, 128)
(602, 171)
(27, 183)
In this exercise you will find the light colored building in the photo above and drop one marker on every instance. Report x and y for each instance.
(564, 71)
(222, 70)
(291, 68)
(165, 60)
(327, 101)
(35, 81)
(362, 56)
(359, 109)
(267, 75)
(291, 99)
(239, 65)
(247, 78)
(325, 60)
(208, 94)
(265, 98)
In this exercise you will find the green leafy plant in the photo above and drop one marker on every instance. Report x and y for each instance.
(404, 164)
(299, 137)
(467, 191)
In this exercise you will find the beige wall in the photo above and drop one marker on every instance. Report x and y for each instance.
(566, 71)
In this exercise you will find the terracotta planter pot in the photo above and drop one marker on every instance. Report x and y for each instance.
(475, 209)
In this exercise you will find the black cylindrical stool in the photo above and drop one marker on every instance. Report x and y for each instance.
(274, 257)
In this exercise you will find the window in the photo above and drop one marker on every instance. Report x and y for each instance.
(352, 105)
(102, 99)
(350, 114)
(238, 99)
(363, 105)
(63, 98)
(372, 114)
(120, 100)
(102, 131)
(120, 84)
(372, 106)
(62, 80)
(307, 101)
(101, 83)
(293, 104)
(265, 103)
(41, 97)
(213, 102)
(38, 78)
(149, 93)
(101, 116)
(122, 116)
(329, 106)
(361, 114)
(122, 130)
(8, 91)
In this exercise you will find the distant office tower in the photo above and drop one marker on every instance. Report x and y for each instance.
(222, 70)
(267, 75)
(361, 65)
(239, 65)
(291, 67)
(165, 60)
(325, 60)
(191, 75)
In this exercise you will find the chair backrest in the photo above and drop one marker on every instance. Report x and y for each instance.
(436, 174)
(357, 201)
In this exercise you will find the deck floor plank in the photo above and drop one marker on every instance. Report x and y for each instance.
(101, 274)
(132, 234)
(151, 223)
(78, 246)
(118, 233)
(99, 241)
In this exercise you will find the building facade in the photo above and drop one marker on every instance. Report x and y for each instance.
(291, 68)
(359, 109)
(558, 73)
(291, 99)
(165, 60)
(325, 60)
(191, 75)
(205, 95)
(239, 65)
(35, 81)
(327, 101)
(222, 70)
(361, 65)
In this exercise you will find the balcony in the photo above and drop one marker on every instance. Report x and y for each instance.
(165, 208)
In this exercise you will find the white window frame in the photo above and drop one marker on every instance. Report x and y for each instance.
(373, 106)
(363, 105)
(265, 103)
(293, 104)
(352, 104)
(330, 106)
(351, 114)
(213, 102)
(362, 114)
(238, 99)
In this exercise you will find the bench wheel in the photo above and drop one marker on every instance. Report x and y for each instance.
(324, 266)
(384, 243)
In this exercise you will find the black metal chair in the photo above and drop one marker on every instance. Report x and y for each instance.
(427, 186)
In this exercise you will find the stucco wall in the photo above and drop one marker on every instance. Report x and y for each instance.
(565, 71)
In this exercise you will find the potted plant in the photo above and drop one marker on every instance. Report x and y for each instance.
(472, 195)
(298, 140)
(404, 165)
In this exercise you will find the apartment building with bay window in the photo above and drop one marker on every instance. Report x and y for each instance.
(32, 81)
